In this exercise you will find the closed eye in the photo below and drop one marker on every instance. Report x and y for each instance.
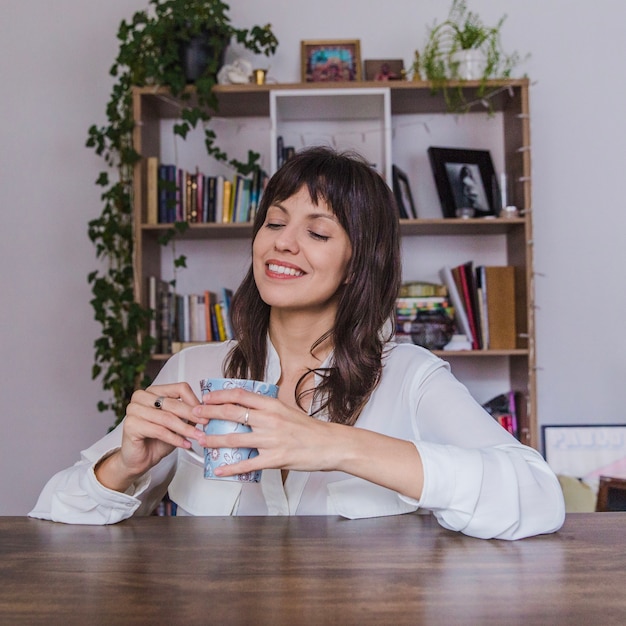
(317, 236)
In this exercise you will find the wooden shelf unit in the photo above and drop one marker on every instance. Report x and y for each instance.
(508, 99)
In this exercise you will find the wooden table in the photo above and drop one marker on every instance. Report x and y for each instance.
(309, 570)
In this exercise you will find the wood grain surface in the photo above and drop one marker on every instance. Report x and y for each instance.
(309, 570)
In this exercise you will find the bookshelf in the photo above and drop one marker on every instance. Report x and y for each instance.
(392, 123)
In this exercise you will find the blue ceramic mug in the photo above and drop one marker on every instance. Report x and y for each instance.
(217, 457)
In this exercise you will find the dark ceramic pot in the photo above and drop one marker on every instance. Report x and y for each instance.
(196, 54)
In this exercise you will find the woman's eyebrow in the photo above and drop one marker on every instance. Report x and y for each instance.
(310, 216)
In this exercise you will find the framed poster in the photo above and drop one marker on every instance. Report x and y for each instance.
(587, 451)
(330, 60)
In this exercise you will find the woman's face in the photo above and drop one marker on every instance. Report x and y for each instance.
(300, 255)
(470, 190)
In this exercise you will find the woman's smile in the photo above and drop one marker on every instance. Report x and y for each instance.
(279, 270)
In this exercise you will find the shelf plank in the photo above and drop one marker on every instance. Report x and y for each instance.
(250, 100)
(445, 227)
(444, 354)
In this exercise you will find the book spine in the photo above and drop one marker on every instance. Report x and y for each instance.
(499, 286)
(467, 299)
(460, 314)
(152, 190)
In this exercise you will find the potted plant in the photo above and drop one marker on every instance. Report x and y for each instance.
(154, 49)
(462, 48)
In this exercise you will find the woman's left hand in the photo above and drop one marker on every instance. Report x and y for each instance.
(285, 437)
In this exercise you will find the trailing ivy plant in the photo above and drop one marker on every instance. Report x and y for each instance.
(150, 53)
(463, 30)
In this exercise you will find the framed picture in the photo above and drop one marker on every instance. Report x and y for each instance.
(587, 451)
(466, 182)
(402, 192)
(384, 69)
(331, 60)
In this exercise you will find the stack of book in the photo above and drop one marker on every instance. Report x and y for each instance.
(415, 297)
(187, 319)
(176, 195)
(483, 298)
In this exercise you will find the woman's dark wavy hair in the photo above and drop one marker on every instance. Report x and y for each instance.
(366, 209)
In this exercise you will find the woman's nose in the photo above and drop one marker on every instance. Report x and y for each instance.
(287, 240)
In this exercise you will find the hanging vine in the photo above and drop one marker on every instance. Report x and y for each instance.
(150, 53)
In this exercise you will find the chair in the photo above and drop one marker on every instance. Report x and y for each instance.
(611, 494)
(579, 497)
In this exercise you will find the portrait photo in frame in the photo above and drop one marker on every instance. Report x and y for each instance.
(330, 60)
(384, 69)
(402, 193)
(466, 182)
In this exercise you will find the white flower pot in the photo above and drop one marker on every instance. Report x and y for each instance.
(468, 64)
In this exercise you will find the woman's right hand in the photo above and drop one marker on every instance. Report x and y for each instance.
(150, 433)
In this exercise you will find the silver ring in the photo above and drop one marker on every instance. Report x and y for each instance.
(158, 403)
(246, 417)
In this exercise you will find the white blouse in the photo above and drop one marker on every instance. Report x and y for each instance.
(478, 479)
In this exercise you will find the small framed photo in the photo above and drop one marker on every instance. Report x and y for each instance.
(384, 69)
(331, 60)
(402, 193)
(466, 182)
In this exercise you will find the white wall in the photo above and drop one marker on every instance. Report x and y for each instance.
(54, 61)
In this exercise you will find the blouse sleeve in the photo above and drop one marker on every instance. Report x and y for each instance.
(478, 479)
(75, 496)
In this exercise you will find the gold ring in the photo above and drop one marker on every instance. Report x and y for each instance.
(246, 417)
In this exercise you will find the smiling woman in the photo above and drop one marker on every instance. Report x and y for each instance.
(361, 427)
(301, 257)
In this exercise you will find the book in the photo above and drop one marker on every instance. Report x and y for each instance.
(419, 288)
(210, 189)
(166, 193)
(200, 209)
(200, 319)
(227, 202)
(163, 316)
(210, 298)
(238, 198)
(463, 277)
(160, 303)
(152, 190)
(218, 216)
(181, 195)
(219, 319)
(255, 193)
(153, 330)
(469, 272)
(498, 285)
(227, 295)
(460, 315)
(243, 210)
(191, 197)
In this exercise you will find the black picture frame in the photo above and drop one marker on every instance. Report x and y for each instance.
(402, 193)
(480, 191)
